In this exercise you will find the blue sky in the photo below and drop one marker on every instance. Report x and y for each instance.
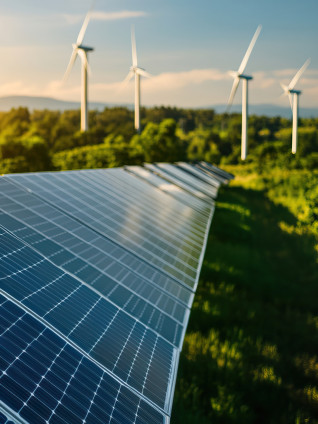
(188, 47)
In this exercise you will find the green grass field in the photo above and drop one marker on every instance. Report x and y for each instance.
(251, 350)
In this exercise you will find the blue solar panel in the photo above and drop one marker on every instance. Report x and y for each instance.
(70, 192)
(179, 183)
(186, 177)
(99, 328)
(87, 244)
(168, 324)
(198, 173)
(98, 271)
(171, 189)
(46, 380)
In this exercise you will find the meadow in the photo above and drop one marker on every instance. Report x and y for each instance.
(251, 350)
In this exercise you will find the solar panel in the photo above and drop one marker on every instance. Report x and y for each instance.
(98, 271)
(97, 212)
(44, 379)
(199, 173)
(170, 188)
(216, 172)
(178, 182)
(153, 307)
(86, 243)
(125, 347)
(185, 177)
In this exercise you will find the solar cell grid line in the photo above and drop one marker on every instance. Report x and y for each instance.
(45, 380)
(118, 257)
(169, 188)
(93, 324)
(184, 185)
(99, 188)
(191, 180)
(137, 190)
(88, 272)
(149, 211)
(214, 182)
(92, 217)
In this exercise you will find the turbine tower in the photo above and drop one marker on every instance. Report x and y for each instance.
(238, 75)
(294, 102)
(80, 50)
(136, 72)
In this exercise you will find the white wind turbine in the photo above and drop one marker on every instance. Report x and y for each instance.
(294, 102)
(136, 72)
(238, 75)
(80, 50)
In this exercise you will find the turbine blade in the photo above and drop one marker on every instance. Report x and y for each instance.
(81, 34)
(128, 77)
(233, 92)
(299, 73)
(249, 50)
(143, 73)
(285, 89)
(70, 64)
(133, 47)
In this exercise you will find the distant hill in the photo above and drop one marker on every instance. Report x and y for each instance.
(40, 103)
(269, 110)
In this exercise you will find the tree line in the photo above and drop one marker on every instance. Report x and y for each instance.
(44, 140)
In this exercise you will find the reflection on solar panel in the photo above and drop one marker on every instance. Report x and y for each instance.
(98, 271)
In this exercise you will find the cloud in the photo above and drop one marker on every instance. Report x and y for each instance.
(178, 80)
(106, 16)
(16, 88)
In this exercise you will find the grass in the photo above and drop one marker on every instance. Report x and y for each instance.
(251, 350)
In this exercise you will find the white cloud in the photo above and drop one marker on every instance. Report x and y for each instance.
(16, 88)
(106, 16)
(177, 80)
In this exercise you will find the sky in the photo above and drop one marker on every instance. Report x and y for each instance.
(188, 47)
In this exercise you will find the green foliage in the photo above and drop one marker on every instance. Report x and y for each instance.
(250, 352)
(87, 157)
(31, 152)
(159, 143)
(169, 134)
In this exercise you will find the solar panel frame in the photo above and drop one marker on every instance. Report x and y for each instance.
(128, 350)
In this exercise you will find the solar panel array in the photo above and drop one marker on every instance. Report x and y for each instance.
(98, 271)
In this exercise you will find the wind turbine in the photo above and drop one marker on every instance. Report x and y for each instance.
(136, 72)
(294, 102)
(238, 75)
(80, 50)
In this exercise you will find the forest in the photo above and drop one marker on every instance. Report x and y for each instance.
(43, 140)
(250, 352)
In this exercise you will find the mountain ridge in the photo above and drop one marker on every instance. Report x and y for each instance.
(50, 103)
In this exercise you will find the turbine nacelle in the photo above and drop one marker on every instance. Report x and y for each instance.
(295, 92)
(81, 47)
